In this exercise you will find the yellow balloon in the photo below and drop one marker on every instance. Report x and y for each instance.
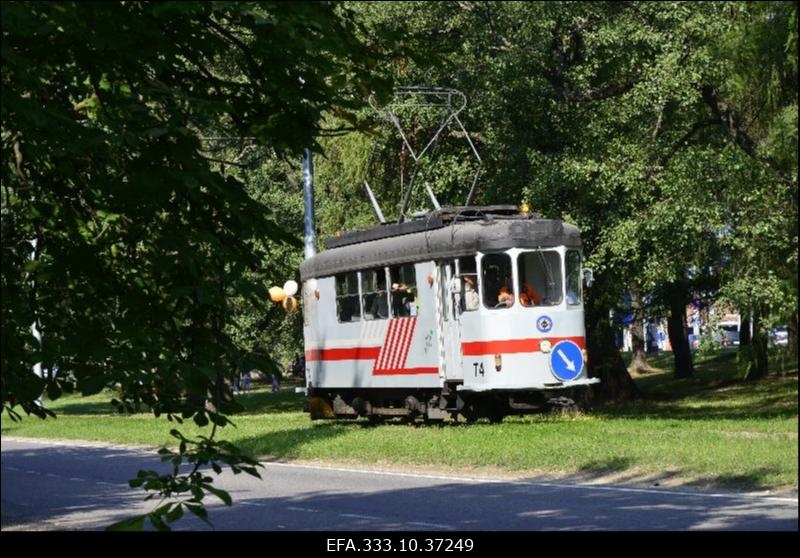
(276, 294)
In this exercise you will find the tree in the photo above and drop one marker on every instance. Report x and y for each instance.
(624, 118)
(142, 242)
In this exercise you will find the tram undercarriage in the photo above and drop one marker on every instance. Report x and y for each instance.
(436, 405)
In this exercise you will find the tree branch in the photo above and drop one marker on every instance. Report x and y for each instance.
(729, 121)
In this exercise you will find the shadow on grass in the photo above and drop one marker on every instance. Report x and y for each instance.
(287, 443)
(613, 464)
(261, 401)
(751, 480)
(78, 407)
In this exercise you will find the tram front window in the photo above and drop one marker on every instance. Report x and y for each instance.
(498, 288)
(348, 308)
(540, 278)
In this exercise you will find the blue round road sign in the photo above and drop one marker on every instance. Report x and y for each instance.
(566, 360)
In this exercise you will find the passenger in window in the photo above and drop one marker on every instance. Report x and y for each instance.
(471, 299)
(528, 295)
(505, 297)
(403, 300)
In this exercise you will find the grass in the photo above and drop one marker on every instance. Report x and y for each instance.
(711, 430)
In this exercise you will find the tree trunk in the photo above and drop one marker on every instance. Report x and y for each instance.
(792, 330)
(678, 333)
(744, 333)
(605, 360)
(639, 357)
(757, 367)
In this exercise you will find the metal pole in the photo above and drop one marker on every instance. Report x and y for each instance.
(35, 328)
(432, 196)
(310, 231)
(375, 207)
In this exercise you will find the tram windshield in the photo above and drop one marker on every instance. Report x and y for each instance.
(540, 281)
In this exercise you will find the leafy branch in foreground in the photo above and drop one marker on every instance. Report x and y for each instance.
(189, 488)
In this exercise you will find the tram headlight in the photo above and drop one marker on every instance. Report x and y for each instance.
(545, 346)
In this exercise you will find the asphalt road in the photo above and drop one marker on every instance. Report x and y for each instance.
(59, 486)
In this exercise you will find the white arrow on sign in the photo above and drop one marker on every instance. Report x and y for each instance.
(568, 362)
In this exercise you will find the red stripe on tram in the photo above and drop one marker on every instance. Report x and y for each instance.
(511, 346)
(348, 353)
(398, 371)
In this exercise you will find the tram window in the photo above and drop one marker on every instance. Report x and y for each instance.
(573, 264)
(470, 299)
(404, 290)
(374, 296)
(540, 278)
(348, 308)
(498, 288)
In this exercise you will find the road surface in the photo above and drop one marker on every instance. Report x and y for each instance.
(63, 486)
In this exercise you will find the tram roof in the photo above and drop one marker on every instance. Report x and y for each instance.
(442, 234)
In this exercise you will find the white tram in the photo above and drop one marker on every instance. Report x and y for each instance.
(459, 314)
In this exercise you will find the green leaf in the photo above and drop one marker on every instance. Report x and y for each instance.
(131, 524)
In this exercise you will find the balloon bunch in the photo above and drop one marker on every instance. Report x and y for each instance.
(285, 295)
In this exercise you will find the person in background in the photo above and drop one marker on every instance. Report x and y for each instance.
(246, 379)
(276, 380)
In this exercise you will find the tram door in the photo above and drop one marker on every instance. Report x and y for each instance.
(448, 324)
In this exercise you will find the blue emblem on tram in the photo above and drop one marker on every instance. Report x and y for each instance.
(544, 324)
(566, 360)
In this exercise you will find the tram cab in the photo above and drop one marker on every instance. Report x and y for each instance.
(459, 314)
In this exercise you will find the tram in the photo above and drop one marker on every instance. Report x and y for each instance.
(458, 314)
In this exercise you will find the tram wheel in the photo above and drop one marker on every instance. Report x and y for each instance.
(563, 406)
(496, 416)
(495, 412)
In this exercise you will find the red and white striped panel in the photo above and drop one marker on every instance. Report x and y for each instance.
(394, 351)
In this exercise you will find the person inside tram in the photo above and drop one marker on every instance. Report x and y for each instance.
(471, 299)
(505, 296)
(528, 295)
(403, 300)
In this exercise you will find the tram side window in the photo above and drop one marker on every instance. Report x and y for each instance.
(540, 278)
(404, 290)
(574, 284)
(348, 308)
(468, 270)
(374, 296)
(498, 289)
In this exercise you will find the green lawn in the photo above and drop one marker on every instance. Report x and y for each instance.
(712, 430)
